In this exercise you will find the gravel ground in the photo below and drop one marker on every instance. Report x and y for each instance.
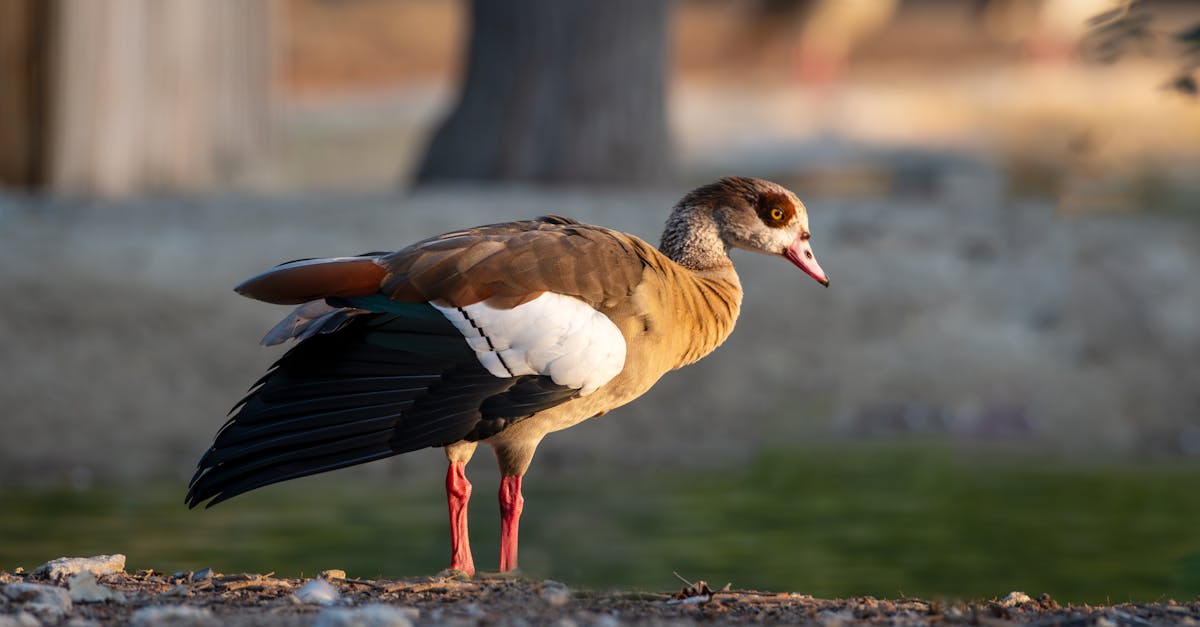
(206, 598)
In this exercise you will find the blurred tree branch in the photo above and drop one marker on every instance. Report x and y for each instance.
(1112, 34)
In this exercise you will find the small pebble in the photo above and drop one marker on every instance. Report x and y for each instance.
(84, 589)
(827, 618)
(372, 615)
(1015, 598)
(606, 620)
(20, 619)
(318, 592)
(332, 573)
(291, 600)
(49, 602)
(554, 593)
(175, 616)
(179, 590)
(472, 610)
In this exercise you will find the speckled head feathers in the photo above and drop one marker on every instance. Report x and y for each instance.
(734, 212)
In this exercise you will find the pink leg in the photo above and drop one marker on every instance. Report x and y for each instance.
(458, 493)
(511, 504)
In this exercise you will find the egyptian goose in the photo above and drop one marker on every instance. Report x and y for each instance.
(498, 334)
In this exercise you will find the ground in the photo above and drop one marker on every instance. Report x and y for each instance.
(250, 599)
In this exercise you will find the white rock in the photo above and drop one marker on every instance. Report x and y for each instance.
(47, 601)
(1015, 598)
(84, 589)
(20, 619)
(606, 620)
(63, 567)
(174, 616)
(829, 618)
(318, 592)
(373, 615)
(555, 593)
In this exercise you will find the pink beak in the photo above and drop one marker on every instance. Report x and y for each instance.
(801, 254)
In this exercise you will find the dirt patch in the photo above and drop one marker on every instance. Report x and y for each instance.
(245, 599)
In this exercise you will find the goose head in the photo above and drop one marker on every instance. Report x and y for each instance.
(757, 215)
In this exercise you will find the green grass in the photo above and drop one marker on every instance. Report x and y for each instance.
(841, 521)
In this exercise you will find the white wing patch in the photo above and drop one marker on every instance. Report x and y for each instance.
(554, 335)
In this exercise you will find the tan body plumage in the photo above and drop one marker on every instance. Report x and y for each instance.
(672, 319)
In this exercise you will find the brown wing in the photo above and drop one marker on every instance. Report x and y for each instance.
(515, 262)
(506, 264)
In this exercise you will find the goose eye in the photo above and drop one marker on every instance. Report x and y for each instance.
(777, 214)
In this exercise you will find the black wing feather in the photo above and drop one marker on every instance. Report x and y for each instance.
(384, 384)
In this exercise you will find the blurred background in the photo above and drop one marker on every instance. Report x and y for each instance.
(1000, 391)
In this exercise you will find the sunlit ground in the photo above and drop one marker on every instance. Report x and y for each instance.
(884, 521)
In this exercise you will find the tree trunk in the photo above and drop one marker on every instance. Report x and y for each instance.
(559, 91)
(24, 50)
(140, 94)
